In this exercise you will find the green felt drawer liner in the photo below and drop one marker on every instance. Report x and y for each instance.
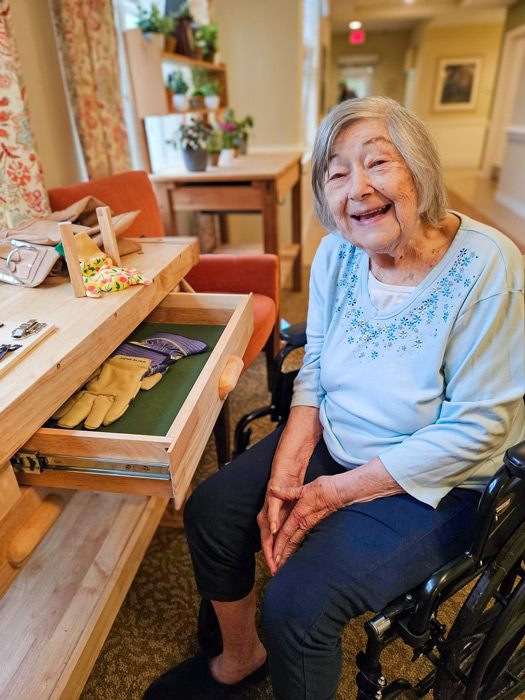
(152, 412)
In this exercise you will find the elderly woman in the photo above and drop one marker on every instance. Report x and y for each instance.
(410, 391)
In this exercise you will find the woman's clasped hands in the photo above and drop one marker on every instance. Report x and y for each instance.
(290, 511)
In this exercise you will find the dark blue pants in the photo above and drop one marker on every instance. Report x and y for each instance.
(357, 559)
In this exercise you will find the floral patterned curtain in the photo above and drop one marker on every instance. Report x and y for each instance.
(22, 193)
(87, 42)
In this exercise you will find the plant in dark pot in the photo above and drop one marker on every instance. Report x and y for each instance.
(155, 26)
(193, 138)
(241, 138)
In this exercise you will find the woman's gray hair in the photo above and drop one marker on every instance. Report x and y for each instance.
(412, 139)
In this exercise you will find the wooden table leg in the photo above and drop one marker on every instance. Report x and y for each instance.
(221, 430)
(296, 234)
(270, 216)
(224, 228)
(163, 194)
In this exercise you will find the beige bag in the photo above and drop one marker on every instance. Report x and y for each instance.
(27, 252)
(27, 264)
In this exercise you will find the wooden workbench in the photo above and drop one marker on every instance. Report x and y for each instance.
(59, 606)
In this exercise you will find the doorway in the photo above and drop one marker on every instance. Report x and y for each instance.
(357, 80)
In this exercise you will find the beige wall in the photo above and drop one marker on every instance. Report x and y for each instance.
(460, 134)
(511, 192)
(390, 47)
(261, 43)
(50, 121)
(326, 44)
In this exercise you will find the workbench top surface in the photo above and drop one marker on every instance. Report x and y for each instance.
(86, 331)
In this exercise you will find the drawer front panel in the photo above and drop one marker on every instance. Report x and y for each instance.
(190, 430)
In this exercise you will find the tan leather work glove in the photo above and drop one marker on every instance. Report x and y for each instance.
(107, 396)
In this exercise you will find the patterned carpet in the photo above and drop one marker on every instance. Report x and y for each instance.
(156, 625)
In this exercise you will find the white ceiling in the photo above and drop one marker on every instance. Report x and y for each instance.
(377, 15)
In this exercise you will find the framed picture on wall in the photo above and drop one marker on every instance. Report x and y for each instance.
(457, 84)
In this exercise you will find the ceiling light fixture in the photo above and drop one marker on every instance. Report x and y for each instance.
(355, 25)
(408, 2)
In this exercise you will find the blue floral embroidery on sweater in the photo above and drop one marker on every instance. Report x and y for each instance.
(413, 326)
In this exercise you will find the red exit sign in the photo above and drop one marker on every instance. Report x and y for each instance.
(357, 36)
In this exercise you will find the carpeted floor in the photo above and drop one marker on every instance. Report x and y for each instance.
(156, 625)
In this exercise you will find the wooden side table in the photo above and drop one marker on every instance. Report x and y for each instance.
(251, 183)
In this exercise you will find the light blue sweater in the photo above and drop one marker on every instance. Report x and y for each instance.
(433, 387)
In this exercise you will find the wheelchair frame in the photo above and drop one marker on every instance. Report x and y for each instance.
(483, 655)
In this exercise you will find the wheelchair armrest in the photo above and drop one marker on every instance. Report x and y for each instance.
(514, 460)
(294, 335)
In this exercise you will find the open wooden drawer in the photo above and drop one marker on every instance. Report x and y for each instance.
(152, 464)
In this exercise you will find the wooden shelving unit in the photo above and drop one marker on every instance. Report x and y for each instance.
(179, 59)
(149, 90)
(150, 96)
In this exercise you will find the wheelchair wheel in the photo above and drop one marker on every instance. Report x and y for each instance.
(483, 657)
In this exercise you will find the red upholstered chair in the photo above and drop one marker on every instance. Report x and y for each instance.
(234, 274)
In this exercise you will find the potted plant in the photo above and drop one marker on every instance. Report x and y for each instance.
(155, 26)
(193, 138)
(241, 138)
(197, 99)
(228, 130)
(214, 145)
(199, 78)
(206, 36)
(179, 87)
(212, 90)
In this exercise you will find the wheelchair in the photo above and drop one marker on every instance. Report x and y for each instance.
(482, 655)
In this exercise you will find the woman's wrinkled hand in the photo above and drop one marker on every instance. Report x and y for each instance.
(307, 505)
(273, 514)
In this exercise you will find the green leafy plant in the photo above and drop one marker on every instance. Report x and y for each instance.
(206, 36)
(191, 137)
(155, 22)
(214, 142)
(243, 126)
(184, 14)
(199, 78)
(239, 129)
(177, 84)
(212, 87)
(228, 128)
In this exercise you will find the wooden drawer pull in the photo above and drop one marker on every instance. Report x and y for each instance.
(230, 376)
(33, 530)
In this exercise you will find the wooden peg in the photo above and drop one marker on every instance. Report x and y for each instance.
(108, 234)
(186, 287)
(230, 375)
(73, 263)
(33, 531)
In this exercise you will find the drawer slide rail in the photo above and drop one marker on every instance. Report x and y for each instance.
(32, 462)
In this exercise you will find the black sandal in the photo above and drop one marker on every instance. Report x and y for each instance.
(193, 680)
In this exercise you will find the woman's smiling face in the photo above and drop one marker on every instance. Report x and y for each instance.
(370, 190)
